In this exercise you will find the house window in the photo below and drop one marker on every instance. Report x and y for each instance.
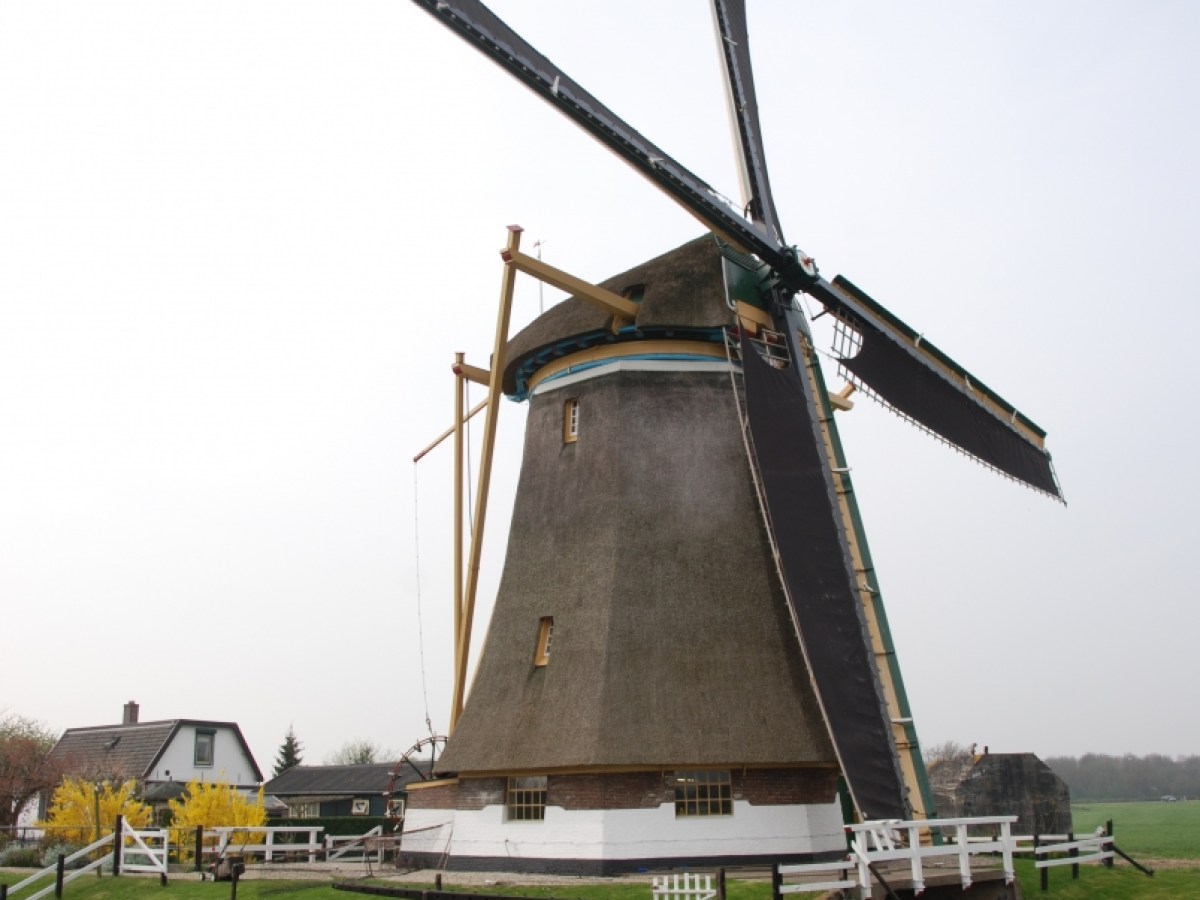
(703, 792)
(360, 806)
(525, 799)
(541, 656)
(304, 810)
(204, 747)
(571, 421)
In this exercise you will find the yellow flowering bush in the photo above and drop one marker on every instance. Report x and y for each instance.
(72, 815)
(215, 804)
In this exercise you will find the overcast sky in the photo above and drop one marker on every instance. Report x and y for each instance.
(240, 243)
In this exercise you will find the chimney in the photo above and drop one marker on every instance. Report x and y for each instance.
(130, 715)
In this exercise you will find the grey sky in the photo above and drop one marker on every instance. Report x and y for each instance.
(240, 243)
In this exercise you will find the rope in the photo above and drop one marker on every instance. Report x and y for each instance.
(420, 621)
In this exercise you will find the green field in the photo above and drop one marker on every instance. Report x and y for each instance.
(1155, 830)
(1165, 836)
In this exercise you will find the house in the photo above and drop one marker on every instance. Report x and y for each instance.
(162, 756)
(357, 790)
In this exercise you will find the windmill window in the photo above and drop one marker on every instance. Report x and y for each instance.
(571, 421)
(525, 798)
(541, 656)
(703, 792)
(204, 747)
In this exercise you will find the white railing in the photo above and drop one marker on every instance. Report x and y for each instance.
(839, 867)
(907, 842)
(889, 841)
(235, 840)
(1094, 848)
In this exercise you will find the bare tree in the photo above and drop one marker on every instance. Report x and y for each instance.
(946, 751)
(359, 752)
(25, 767)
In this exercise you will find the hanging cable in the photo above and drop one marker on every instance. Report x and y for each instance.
(420, 621)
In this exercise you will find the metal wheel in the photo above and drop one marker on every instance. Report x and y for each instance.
(415, 765)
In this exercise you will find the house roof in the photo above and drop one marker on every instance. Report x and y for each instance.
(319, 781)
(130, 751)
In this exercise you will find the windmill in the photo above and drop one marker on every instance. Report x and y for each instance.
(685, 535)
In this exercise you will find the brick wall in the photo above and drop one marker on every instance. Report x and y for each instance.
(644, 790)
(439, 796)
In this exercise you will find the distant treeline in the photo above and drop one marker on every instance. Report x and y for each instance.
(1095, 776)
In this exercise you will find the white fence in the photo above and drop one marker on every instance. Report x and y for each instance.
(137, 851)
(237, 841)
(683, 886)
(894, 841)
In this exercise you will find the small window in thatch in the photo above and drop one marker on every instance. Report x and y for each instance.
(541, 656)
(634, 292)
(571, 421)
(703, 792)
(525, 798)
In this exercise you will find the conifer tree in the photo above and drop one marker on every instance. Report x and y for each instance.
(289, 753)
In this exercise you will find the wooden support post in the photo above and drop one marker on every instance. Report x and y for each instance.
(460, 392)
(1108, 830)
(485, 474)
(1045, 872)
(721, 884)
(776, 883)
(1073, 852)
(199, 848)
(59, 869)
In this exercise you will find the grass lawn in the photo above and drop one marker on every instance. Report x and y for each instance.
(1122, 883)
(1153, 829)
(1164, 835)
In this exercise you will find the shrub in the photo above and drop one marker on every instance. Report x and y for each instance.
(50, 854)
(17, 856)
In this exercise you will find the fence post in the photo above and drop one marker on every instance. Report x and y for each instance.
(199, 848)
(776, 883)
(3, 892)
(721, 884)
(1044, 872)
(1108, 830)
(1073, 852)
(59, 869)
(118, 845)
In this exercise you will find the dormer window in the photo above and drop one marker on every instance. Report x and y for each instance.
(205, 741)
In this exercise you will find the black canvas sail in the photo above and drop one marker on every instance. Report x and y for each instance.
(819, 578)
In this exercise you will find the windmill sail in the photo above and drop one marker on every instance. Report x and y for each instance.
(953, 401)
(730, 19)
(819, 578)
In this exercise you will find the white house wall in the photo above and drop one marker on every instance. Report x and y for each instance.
(628, 833)
(230, 762)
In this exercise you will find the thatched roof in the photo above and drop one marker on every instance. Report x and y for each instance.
(672, 642)
(683, 289)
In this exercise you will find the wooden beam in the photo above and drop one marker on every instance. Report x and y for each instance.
(485, 476)
(621, 307)
(478, 407)
(472, 373)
